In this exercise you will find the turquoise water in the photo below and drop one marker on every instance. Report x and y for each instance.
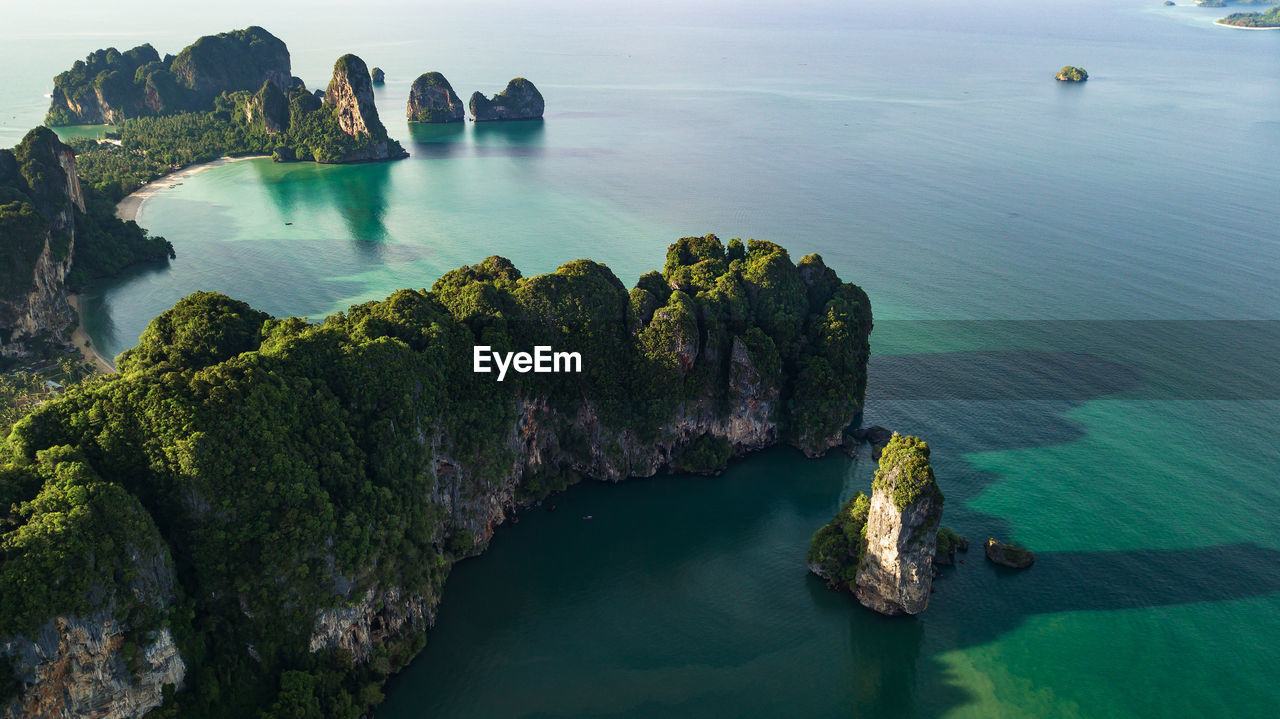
(924, 150)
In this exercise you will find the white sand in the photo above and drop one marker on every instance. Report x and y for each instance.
(128, 208)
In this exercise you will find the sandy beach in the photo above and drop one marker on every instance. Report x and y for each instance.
(1219, 23)
(128, 208)
(82, 342)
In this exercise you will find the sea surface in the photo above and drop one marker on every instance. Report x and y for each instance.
(1075, 289)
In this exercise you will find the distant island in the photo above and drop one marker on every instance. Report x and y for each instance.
(1269, 20)
(1070, 73)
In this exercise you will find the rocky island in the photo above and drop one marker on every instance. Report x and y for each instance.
(882, 549)
(154, 520)
(432, 99)
(378, 76)
(519, 101)
(1070, 73)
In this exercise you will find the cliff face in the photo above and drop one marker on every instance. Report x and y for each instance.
(269, 107)
(80, 667)
(351, 95)
(109, 86)
(896, 573)
(432, 99)
(519, 101)
(39, 196)
(91, 557)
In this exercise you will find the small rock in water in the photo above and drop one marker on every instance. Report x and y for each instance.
(1009, 555)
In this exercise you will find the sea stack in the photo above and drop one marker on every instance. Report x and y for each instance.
(896, 572)
(351, 94)
(432, 99)
(378, 76)
(520, 101)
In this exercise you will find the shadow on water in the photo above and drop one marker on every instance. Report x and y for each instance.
(967, 402)
(517, 138)
(435, 141)
(358, 192)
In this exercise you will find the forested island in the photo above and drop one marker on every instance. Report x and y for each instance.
(1256, 20)
(257, 515)
(1070, 73)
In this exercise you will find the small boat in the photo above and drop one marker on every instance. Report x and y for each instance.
(288, 223)
(589, 516)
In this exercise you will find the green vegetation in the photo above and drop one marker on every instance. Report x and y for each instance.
(1070, 73)
(33, 193)
(274, 457)
(109, 86)
(1270, 18)
(948, 540)
(837, 549)
(908, 459)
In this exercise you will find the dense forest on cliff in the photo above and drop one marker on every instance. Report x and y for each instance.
(249, 458)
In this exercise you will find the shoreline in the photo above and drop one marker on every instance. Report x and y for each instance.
(128, 208)
(84, 344)
(1220, 23)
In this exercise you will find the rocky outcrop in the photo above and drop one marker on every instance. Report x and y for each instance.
(351, 95)
(1009, 555)
(520, 101)
(948, 544)
(80, 667)
(270, 108)
(102, 88)
(38, 180)
(896, 573)
(109, 86)
(104, 578)
(378, 76)
(432, 99)
(377, 617)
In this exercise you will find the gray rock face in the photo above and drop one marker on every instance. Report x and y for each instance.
(520, 101)
(93, 664)
(43, 171)
(75, 667)
(896, 573)
(378, 76)
(351, 93)
(432, 99)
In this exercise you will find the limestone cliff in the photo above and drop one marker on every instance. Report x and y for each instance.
(270, 108)
(109, 86)
(432, 99)
(351, 95)
(39, 197)
(896, 572)
(95, 565)
(519, 101)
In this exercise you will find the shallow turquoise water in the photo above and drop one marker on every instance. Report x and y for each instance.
(924, 150)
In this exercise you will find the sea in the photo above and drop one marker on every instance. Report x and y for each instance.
(1076, 292)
